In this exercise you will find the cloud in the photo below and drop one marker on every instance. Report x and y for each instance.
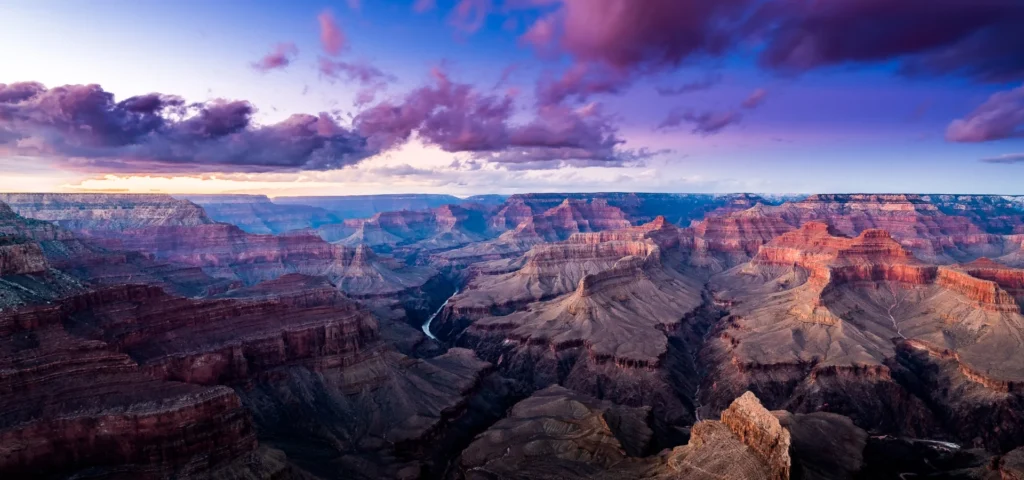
(331, 36)
(459, 117)
(1000, 117)
(371, 79)
(705, 83)
(980, 39)
(83, 128)
(469, 15)
(361, 72)
(704, 123)
(355, 5)
(755, 99)
(1009, 158)
(281, 56)
(613, 42)
(579, 82)
(627, 34)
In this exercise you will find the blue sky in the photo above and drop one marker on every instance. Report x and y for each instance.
(839, 128)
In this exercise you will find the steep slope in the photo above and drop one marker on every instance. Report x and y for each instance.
(850, 325)
(548, 270)
(110, 358)
(612, 336)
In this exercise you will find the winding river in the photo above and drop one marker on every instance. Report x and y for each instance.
(426, 325)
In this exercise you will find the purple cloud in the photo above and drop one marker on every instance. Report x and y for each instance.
(627, 34)
(458, 117)
(281, 56)
(84, 128)
(612, 42)
(704, 123)
(331, 36)
(579, 82)
(361, 72)
(705, 83)
(1000, 117)
(371, 79)
(981, 39)
(755, 99)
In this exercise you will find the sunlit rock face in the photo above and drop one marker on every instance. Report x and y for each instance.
(855, 322)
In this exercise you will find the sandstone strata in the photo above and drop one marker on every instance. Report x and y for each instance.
(834, 309)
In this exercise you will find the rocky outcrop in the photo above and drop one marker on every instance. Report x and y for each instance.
(557, 433)
(545, 272)
(19, 256)
(759, 430)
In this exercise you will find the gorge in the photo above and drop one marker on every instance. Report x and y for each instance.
(540, 336)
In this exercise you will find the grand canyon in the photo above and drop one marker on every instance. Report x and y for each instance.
(512, 240)
(605, 335)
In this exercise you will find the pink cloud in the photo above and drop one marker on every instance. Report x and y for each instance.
(331, 36)
(281, 56)
(1000, 117)
(755, 99)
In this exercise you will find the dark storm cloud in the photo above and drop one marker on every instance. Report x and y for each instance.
(975, 38)
(84, 128)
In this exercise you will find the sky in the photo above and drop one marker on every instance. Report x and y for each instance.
(503, 96)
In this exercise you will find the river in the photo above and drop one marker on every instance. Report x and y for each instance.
(426, 325)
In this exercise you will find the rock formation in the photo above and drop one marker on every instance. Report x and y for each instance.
(557, 433)
(839, 313)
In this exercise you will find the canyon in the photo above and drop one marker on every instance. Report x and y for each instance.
(589, 335)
